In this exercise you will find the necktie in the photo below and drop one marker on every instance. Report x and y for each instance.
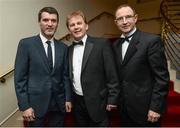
(77, 43)
(126, 38)
(123, 39)
(49, 51)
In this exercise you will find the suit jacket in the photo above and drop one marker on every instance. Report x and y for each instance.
(99, 78)
(143, 75)
(34, 82)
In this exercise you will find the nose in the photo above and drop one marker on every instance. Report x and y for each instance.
(76, 26)
(124, 20)
(50, 23)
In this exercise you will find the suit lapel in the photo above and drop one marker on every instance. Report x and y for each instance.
(118, 50)
(42, 52)
(87, 51)
(71, 49)
(132, 48)
(56, 56)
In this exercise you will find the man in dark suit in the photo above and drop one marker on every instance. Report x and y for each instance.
(41, 74)
(143, 72)
(92, 73)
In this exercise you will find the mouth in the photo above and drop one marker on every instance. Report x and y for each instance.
(77, 32)
(125, 27)
(49, 29)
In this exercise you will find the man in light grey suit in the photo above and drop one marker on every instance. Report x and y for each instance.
(41, 74)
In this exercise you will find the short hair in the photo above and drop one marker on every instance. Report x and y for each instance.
(49, 10)
(75, 13)
(126, 5)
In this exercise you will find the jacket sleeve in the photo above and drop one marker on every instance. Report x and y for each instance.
(158, 64)
(21, 76)
(66, 80)
(112, 81)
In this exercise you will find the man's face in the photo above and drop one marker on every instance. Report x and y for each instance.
(48, 24)
(77, 27)
(125, 19)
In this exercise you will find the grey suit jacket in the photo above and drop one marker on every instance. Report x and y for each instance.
(34, 82)
(99, 78)
(143, 75)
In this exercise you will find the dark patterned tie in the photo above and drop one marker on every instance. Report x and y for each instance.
(49, 53)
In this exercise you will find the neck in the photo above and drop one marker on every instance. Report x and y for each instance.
(130, 32)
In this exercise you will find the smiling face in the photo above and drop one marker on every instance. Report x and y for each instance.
(125, 19)
(48, 24)
(77, 27)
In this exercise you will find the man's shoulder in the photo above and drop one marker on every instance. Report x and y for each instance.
(60, 43)
(26, 39)
(100, 39)
(149, 35)
(149, 38)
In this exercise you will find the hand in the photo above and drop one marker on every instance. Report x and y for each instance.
(29, 115)
(110, 107)
(68, 106)
(153, 116)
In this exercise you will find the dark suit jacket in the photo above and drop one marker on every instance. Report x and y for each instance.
(34, 83)
(143, 75)
(98, 77)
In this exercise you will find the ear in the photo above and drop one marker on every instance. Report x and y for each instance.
(87, 26)
(115, 21)
(136, 18)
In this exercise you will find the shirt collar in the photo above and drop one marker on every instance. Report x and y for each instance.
(44, 39)
(130, 33)
(83, 39)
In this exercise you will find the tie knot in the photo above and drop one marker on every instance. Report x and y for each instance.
(48, 42)
(78, 43)
(126, 38)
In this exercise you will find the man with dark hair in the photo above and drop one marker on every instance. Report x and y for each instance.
(143, 73)
(41, 74)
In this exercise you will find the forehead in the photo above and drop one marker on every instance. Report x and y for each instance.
(48, 15)
(124, 11)
(76, 18)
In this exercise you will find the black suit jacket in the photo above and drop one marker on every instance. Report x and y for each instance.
(34, 82)
(143, 75)
(98, 76)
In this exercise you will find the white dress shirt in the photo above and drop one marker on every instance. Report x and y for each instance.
(126, 43)
(43, 39)
(77, 64)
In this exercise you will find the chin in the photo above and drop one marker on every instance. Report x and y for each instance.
(78, 37)
(126, 31)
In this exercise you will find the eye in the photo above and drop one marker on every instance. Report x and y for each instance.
(45, 20)
(129, 16)
(119, 19)
(79, 23)
(71, 25)
(54, 20)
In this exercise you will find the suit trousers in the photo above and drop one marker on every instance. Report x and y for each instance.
(81, 114)
(53, 118)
